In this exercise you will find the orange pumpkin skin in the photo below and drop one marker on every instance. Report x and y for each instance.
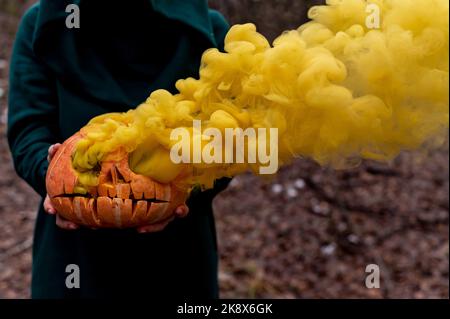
(122, 198)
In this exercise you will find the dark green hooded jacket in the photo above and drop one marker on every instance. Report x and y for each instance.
(60, 79)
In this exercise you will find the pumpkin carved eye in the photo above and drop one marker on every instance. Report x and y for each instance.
(122, 198)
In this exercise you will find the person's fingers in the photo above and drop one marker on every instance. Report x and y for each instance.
(182, 210)
(52, 151)
(48, 207)
(54, 148)
(155, 227)
(65, 224)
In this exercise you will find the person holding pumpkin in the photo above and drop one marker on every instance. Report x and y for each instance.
(60, 78)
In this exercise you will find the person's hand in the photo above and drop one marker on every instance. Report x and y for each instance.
(48, 207)
(180, 212)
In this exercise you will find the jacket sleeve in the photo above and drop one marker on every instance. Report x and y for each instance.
(32, 108)
(220, 27)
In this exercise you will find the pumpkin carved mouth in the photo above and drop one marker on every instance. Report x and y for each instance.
(122, 199)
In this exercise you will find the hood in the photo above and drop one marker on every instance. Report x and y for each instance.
(122, 51)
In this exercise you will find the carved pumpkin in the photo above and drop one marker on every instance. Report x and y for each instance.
(122, 198)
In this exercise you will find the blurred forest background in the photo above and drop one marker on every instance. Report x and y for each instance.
(308, 234)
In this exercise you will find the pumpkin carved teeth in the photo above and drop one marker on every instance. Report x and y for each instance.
(122, 198)
(114, 211)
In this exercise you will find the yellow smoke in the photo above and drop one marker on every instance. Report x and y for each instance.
(337, 90)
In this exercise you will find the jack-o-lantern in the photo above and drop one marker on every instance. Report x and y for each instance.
(122, 198)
